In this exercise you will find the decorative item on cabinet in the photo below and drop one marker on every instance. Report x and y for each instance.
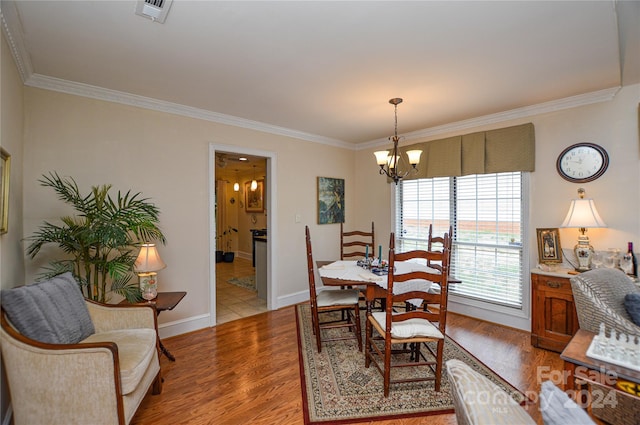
(583, 215)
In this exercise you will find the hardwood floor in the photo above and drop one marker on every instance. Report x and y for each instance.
(246, 371)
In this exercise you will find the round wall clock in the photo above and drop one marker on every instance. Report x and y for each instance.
(582, 162)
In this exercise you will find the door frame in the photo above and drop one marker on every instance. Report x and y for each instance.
(271, 208)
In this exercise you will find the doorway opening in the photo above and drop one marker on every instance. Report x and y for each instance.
(242, 194)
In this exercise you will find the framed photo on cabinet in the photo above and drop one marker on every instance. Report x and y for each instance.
(549, 249)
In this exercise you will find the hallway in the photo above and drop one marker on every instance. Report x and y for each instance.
(234, 302)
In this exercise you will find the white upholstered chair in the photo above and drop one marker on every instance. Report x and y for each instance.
(72, 361)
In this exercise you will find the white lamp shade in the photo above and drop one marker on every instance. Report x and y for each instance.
(414, 157)
(148, 259)
(381, 157)
(236, 187)
(254, 185)
(583, 214)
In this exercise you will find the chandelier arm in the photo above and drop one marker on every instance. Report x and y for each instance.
(395, 159)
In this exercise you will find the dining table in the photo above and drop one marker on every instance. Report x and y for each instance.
(349, 273)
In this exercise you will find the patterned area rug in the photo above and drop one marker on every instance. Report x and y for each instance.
(338, 389)
(247, 282)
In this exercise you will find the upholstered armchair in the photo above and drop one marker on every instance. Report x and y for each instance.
(478, 401)
(72, 361)
(599, 298)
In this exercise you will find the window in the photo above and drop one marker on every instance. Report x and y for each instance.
(486, 212)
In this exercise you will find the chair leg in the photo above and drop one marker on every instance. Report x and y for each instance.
(387, 367)
(367, 349)
(358, 329)
(156, 387)
(316, 330)
(439, 355)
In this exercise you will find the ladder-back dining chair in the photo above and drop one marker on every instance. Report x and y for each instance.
(435, 243)
(354, 243)
(332, 300)
(408, 335)
(357, 243)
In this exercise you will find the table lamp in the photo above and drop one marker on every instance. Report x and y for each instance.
(146, 265)
(583, 214)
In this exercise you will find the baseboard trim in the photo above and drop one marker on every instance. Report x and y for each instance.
(183, 326)
(292, 299)
(195, 323)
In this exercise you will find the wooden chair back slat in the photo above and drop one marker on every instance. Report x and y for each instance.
(359, 239)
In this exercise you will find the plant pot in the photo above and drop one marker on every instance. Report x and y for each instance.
(228, 257)
(219, 256)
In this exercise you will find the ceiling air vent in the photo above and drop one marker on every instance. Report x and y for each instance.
(156, 10)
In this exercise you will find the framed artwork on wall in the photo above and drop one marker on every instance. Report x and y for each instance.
(330, 200)
(5, 172)
(549, 249)
(254, 199)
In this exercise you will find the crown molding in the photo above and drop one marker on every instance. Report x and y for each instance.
(12, 30)
(99, 93)
(524, 112)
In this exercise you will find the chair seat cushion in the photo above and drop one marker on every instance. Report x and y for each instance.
(411, 328)
(337, 297)
(52, 311)
(136, 348)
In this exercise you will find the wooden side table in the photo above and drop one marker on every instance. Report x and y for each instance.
(164, 301)
(553, 315)
(611, 392)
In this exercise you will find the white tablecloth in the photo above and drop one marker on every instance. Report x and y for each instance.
(349, 270)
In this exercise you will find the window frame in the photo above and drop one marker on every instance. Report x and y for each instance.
(485, 309)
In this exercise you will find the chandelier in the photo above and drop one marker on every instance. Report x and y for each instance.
(391, 165)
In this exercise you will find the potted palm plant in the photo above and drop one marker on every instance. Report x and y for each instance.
(101, 240)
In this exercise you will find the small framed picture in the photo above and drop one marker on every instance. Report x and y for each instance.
(5, 172)
(549, 249)
(330, 200)
(254, 199)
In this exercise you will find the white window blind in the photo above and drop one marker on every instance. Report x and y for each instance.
(486, 214)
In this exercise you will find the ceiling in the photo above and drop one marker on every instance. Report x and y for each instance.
(324, 71)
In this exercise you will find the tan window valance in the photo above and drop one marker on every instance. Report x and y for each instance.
(494, 151)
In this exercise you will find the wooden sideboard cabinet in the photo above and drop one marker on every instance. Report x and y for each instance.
(553, 319)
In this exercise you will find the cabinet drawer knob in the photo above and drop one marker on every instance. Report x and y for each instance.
(553, 284)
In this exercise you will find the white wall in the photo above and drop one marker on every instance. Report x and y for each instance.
(166, 158)
(11, 135)
(611, 124)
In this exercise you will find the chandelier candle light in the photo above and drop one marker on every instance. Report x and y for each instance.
(391, 164)
(583, 214)
(146, 265)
